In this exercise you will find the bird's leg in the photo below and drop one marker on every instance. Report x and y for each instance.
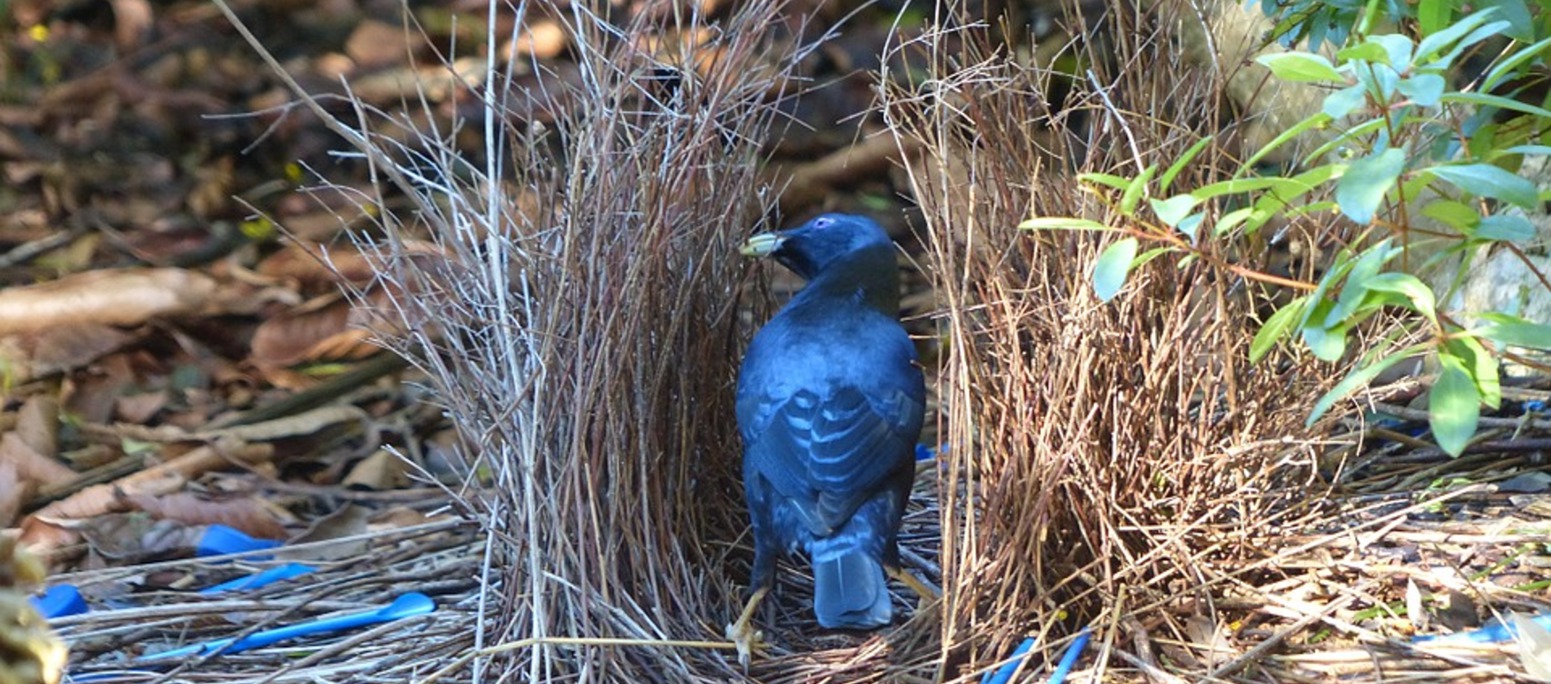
(742, 632)
(921, 587)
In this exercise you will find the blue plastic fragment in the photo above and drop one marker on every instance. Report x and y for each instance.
(260, 579)
(1493, 632)
(408, 605)
(59, 601)
(1069, 658)
(1003, 674)
(219, 540)
(1535, 405)
(925, 453)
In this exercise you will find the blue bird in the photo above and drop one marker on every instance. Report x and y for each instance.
(830, 402)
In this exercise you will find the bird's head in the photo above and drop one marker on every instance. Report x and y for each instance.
(810, 248)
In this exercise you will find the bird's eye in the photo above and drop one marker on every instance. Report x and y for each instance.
(823, 222)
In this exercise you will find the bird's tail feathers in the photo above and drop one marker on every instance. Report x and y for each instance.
(849, 589)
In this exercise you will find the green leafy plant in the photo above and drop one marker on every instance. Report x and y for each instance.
(1425, 173)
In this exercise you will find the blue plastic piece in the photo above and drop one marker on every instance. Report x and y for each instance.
(219, 540)
(408, 605)
(260, 579)
(1003, 674)
(60, 601)
(1534, 406)
(925, 453)
(1493, 632)
(1069, 658)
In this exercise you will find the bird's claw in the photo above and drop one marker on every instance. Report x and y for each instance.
(746, 639)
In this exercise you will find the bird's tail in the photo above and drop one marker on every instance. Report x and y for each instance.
(849, 589)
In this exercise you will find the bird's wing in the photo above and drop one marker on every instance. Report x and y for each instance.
(829, 454)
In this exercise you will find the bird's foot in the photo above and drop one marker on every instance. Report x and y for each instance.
(746, 638)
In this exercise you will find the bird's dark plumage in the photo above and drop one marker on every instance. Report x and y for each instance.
(830, 403)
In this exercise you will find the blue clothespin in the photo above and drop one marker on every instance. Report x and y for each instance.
(408, 605)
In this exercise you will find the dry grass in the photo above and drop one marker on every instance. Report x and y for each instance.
(589, 347)
(1115, 465)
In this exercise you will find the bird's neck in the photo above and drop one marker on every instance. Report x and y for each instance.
(869, 276)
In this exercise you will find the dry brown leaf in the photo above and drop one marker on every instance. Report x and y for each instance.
(136, 537)
(401, 517)
(247, 513)
(375, 44)
(382, 470)
(139, 408)
(314, 269)
(37, 424)
(31, 465)
(42, 530)
(348, 521)
(325, 329)
(13, 492)
(121, 297)
(66, 347)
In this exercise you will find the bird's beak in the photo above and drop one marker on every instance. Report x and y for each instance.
(762, 245)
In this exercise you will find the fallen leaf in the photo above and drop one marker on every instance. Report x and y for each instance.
(247, 513)
(31, 465)
(30, 355)
(122, 297)
(13, 492)
(348, 521)
(380, 471)
(37, 424)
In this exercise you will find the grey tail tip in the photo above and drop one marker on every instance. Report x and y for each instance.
(850, 591)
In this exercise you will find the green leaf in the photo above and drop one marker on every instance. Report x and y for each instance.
(1327, 344)
(1341, 102)
(1512, 330)
(1061, 223)
(1112, 267)
(1359, 377)
(1275, 328)
(1293, 133)
(1508, 66)
(1362, 188)
(1167, 179)
(1411, 287)
(1439, 40)
(1505, 228)
(1368, 51)
(1398, 47)
(1356, 288)
(1149, 255)
(1482, 367)
(1431, 16)
(1453, 406)
(1486, 180)
(1301, 67)
(1106, 179)
(1486, 100)
(1423, 89)
(1235, 186)
(1174, 209)
(1529, 149)
(1135, 190)
(1191, 224)
(1457, 215)
(1521, 26)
